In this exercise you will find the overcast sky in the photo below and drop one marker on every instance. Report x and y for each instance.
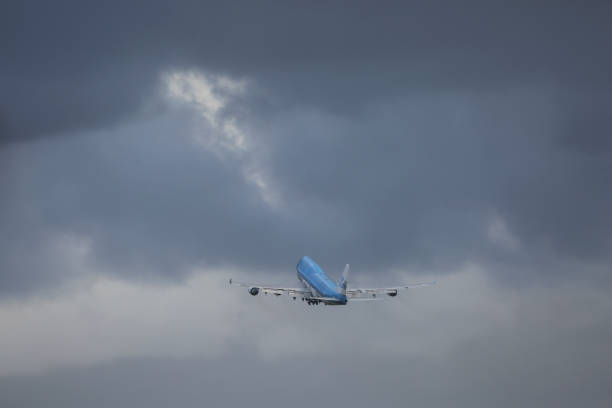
(149, 152)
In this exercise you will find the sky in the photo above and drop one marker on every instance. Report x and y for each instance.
(149, 151)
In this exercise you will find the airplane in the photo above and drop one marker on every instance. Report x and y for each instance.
(317, 287)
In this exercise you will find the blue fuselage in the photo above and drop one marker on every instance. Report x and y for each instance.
(319, 283)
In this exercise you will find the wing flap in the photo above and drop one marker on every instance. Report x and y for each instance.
(372, 293)
(272, 290)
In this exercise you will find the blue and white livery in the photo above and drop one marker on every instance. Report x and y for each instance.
(317, 287)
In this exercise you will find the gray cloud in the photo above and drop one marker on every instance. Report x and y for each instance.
(465, 343)
(414, 180)
(476, 379)
(406, 138)
(79, 65)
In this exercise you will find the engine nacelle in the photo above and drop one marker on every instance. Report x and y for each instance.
(254, 291)
(392, 293)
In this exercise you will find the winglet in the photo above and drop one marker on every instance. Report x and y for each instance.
(342, 282)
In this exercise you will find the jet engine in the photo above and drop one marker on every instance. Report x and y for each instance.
(254, 291)
(392, 293)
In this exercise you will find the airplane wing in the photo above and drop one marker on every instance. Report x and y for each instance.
(378, 293)
(272, 290)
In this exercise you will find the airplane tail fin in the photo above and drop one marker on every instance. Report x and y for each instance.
(344, 279)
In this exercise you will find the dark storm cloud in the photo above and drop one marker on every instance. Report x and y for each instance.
(419, 122)
(398, 186)
(73, 65)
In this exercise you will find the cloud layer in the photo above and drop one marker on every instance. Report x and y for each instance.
(465, 340)
(149, 153)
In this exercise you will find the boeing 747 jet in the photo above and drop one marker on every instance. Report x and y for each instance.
(317, 287)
